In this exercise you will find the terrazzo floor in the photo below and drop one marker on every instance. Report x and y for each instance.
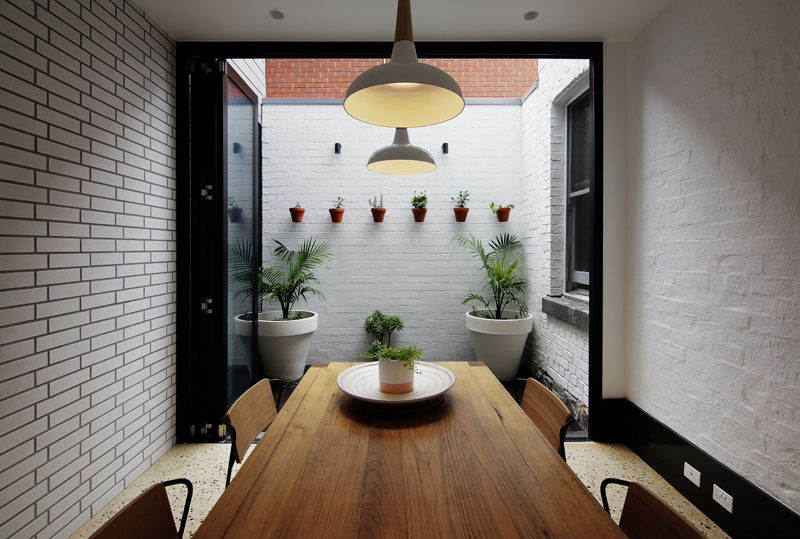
(205, 466)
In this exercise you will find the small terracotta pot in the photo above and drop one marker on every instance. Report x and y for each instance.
(378, 214)
(419, 214)
(235, 214)
(297, 214)
(461, 214)
(394, 377)
(502, 214)
(336, 214)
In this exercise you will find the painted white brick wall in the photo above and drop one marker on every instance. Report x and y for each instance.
(252, 70)
(87, 258)
(413, 270)
(713, 336)
(559, 348)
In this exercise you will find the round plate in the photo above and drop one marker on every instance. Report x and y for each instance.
(361, 383)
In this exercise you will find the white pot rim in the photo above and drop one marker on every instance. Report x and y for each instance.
(503, 326)
(281, 328)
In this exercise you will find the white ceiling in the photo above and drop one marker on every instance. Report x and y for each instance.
(373, 20)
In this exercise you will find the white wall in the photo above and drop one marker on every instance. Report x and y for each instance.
(713, 271)
(87, 258)
(252, 70)
(413, 270)
(560, 348)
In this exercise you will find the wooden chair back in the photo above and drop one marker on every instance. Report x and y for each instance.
(645, 515)
(252, 412)
(548, 413)
(148, 515)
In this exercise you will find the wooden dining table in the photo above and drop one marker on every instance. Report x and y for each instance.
(474, 465)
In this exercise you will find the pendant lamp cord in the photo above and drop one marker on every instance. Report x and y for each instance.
(403, 31)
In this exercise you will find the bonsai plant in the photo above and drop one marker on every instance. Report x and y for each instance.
(337, 212)
(499, 332)
(382, 326)
(419, 205)
(297, 213)
(284, 336)
(378, 211)
(395, 366)
(234, 211)
(460, 205)
(501, 211)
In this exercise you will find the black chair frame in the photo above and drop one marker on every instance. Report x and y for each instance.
(610, 481)
(189, 491)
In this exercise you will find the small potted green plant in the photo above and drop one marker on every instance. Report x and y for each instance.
(234, 211)
(419, 206)
(378, 211)
(396, 366)
(337, 212)
(460, 205)
(382, 326)
(297, 213)
(501, 211)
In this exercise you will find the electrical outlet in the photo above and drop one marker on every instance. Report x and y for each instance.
(723, 498)
(691, 473)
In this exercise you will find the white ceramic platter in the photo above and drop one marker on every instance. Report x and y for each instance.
(361, 383)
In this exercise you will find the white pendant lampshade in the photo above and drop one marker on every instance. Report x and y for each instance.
(404, 92)
(401, 157)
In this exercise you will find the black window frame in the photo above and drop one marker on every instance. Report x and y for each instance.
(576, 281)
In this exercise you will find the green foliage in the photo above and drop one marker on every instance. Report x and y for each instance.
(405, 354)
(298, 205)
(338, 203)
(500, 265)
(495, 208)
(232, 203)
(461, 199)
(374, 202)
(420, 201)
(381, 326)
(285, 286)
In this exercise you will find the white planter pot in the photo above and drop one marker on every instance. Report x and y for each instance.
(394, 377)
(282, 344)
(499, 343)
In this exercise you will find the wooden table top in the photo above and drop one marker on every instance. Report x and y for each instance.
(473, 466)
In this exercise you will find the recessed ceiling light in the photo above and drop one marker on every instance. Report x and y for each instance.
(529, 16)
(278, 15)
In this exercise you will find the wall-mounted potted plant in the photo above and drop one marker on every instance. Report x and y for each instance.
(419, 206)
(297, 213)
(499, 333)
(284, 336)
(337, 212)
(234, 211)
(396, 366)
(501, 211)
(460, 205)
(378, 211)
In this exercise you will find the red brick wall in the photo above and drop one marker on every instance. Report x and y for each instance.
(478, 77)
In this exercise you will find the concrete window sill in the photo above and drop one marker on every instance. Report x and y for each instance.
(571, 311)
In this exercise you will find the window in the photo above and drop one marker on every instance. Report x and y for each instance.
(580, 176)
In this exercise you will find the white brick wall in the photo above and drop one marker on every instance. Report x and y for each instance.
(252, 71)
(713, 225)
(559, 348)
(87, 258)
(413, 270)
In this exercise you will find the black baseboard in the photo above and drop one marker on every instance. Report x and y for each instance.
(755, 513)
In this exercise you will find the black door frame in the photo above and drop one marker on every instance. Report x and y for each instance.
(602, 425)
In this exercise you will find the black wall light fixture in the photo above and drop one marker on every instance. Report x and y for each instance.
(337, 148)
(445, 148)
(237, 147)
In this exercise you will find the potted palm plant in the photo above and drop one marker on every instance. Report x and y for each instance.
(501, 211)
(337, 212)
(419, 206)
(498, 332)
(378, 211)
(297, 213)
(396, 366)
(284, 336)
(460, 205)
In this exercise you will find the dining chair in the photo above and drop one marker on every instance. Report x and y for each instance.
(148, 515)
(645, 515)
(548, 413)
(252, 412)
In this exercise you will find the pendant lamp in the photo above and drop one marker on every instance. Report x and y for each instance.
(401, 157)
(404, 92)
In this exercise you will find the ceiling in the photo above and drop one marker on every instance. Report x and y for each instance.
(373, 20)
